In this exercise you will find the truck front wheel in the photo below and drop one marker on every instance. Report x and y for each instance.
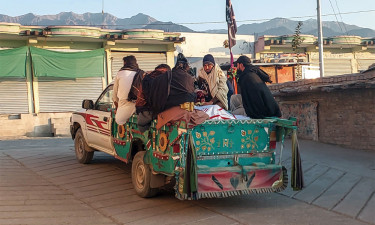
(81, 148)
(141, 177)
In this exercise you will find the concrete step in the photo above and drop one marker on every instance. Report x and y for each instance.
(60, 120)
(61, 132)
(60, 123)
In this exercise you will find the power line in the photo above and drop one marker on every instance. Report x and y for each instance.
(338, 9)
(334, 12)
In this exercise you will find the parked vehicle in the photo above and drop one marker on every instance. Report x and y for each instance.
(218, 158)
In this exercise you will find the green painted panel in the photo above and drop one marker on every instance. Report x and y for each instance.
(225, 137)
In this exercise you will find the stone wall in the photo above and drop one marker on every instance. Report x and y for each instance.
(338, 110)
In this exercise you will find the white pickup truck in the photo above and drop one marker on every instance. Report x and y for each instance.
(218, 158)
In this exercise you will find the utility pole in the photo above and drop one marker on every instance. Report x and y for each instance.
(103, 14)
(320, 40)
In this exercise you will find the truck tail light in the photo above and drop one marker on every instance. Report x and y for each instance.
(176, 148)
(273, 140)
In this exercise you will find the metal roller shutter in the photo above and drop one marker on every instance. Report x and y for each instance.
(334, 66)
(64, 95)
(13, 96)
(363, 64)
(146, 61)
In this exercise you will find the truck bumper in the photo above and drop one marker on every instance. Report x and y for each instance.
(236, 180)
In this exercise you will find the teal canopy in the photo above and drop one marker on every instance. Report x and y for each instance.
(47, 63)
(13, 62)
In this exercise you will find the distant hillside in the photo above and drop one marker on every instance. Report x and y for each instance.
(282, 26)
(218, 31)
(276, 26)
(168, 26)
(94, 19)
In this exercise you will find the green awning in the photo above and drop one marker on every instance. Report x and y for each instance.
(47, 63)
(13, 62)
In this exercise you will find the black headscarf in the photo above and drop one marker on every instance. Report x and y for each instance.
(253, 69)
(130, 63)
(183, 64)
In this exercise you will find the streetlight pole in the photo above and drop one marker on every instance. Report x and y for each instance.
(320, 40)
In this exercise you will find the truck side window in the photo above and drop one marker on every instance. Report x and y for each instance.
(105, 101)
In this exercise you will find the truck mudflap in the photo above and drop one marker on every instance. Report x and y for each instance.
(226, 182)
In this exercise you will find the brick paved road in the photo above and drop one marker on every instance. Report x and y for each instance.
(42, 183)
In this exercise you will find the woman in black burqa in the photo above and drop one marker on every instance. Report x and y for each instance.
(257, 99)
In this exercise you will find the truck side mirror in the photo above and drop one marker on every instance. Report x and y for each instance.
(87, 104)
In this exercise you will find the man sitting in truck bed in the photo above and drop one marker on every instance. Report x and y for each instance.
(145, 99)
(178, 103)
(256, 97)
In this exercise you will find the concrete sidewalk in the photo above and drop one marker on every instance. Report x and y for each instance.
(42, 183)
(337, 179)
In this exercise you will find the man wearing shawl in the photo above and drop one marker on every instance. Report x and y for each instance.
(122, 95)
(146, 99)
(178, 103)
(256, 97)
(212, 76)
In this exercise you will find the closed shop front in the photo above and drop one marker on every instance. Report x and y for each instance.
(363, 64)
(147, 61)
(66, 78)
(13, 95)
(13, 85)
(335, 66)
(64, 94)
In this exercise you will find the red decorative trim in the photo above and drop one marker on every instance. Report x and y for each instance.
(175, 140)
(136, 131)
(96, 130)
(122, 159)
(119, 142)
(160, 156)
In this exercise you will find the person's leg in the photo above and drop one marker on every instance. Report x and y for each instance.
(236, 105)
(124, 112)
(144, 121)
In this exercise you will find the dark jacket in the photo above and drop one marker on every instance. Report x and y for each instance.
(156, 90)
(256, 97)
(181, 88)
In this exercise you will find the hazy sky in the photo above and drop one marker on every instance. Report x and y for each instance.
(202, 11)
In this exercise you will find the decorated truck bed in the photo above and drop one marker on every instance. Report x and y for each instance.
(218, 158)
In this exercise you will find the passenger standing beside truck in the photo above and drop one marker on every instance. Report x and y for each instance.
(122, 94)
(212, 76)
(256, 97)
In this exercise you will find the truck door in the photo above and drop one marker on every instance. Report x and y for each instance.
(99, 122)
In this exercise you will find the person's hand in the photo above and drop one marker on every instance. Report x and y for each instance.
(116, 106)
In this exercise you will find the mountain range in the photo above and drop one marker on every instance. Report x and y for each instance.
(276, 26)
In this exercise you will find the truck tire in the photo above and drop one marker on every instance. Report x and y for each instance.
(81, 148)
(141, 177)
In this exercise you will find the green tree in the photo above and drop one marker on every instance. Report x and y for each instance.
(296, 42)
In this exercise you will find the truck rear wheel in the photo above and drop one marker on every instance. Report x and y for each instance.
(81, 148)
(141, 177)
